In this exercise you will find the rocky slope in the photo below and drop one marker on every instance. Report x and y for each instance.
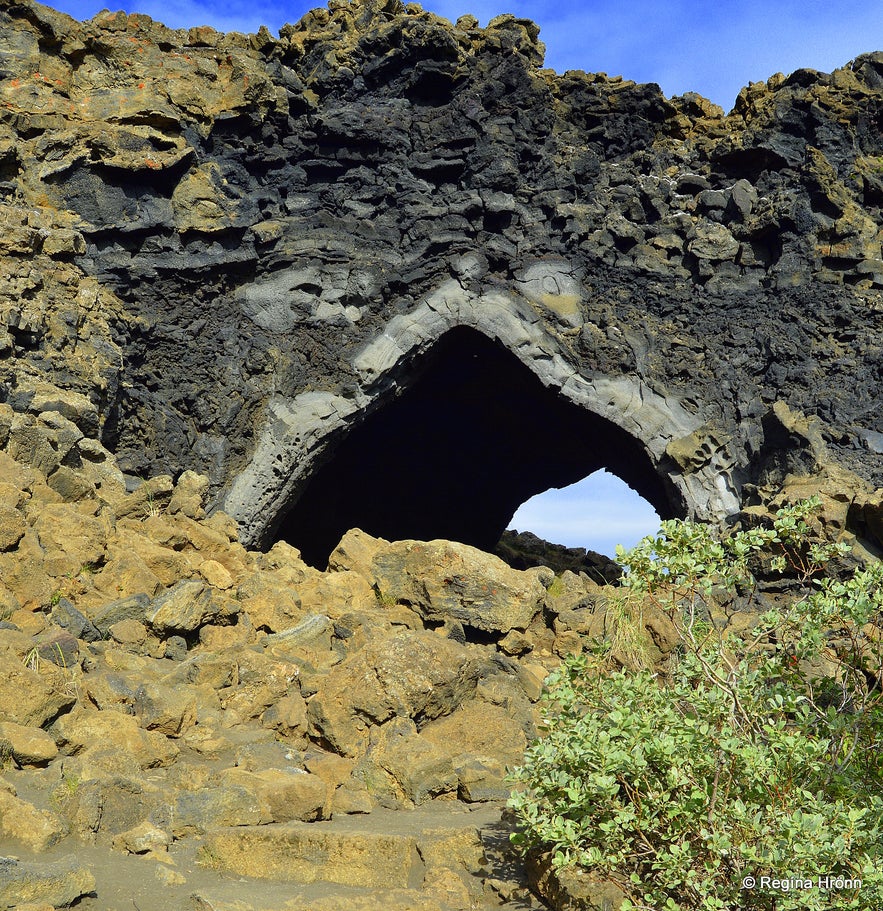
(240, 249)
(178, 712)
(169, 695)
(242, 267)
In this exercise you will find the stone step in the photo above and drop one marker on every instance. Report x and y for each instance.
(385, 849)
(440, 857)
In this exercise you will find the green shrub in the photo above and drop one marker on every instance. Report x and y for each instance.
(751, 756)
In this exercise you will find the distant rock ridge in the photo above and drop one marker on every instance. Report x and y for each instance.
(524, 549)
(239, 254)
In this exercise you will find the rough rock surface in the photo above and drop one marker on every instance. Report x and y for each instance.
(522, 550)
(234, 253)
(176, 709)
(380, 268)
(170, 696)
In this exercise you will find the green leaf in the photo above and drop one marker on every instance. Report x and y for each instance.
(728, 767)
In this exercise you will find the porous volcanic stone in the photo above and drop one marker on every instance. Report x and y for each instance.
(336, 264)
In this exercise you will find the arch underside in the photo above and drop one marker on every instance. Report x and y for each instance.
(453, 455)
(468, 406)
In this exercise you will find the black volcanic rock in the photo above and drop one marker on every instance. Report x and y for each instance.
(524, 549)
(239, 250)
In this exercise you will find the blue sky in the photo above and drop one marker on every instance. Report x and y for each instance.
(713, 47)
(598, 512)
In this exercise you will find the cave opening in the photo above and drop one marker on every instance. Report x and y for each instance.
(463, 437)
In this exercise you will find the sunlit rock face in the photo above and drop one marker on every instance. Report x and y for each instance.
(390, 262)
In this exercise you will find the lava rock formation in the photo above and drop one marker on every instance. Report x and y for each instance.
(269, 259)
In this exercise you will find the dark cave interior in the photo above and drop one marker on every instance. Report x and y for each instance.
(465, 436)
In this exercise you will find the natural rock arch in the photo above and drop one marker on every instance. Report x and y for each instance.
(454, 447)
(486, 367)
(224, 251)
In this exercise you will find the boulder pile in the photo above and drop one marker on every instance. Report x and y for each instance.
(207, 711)
(166, 691)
